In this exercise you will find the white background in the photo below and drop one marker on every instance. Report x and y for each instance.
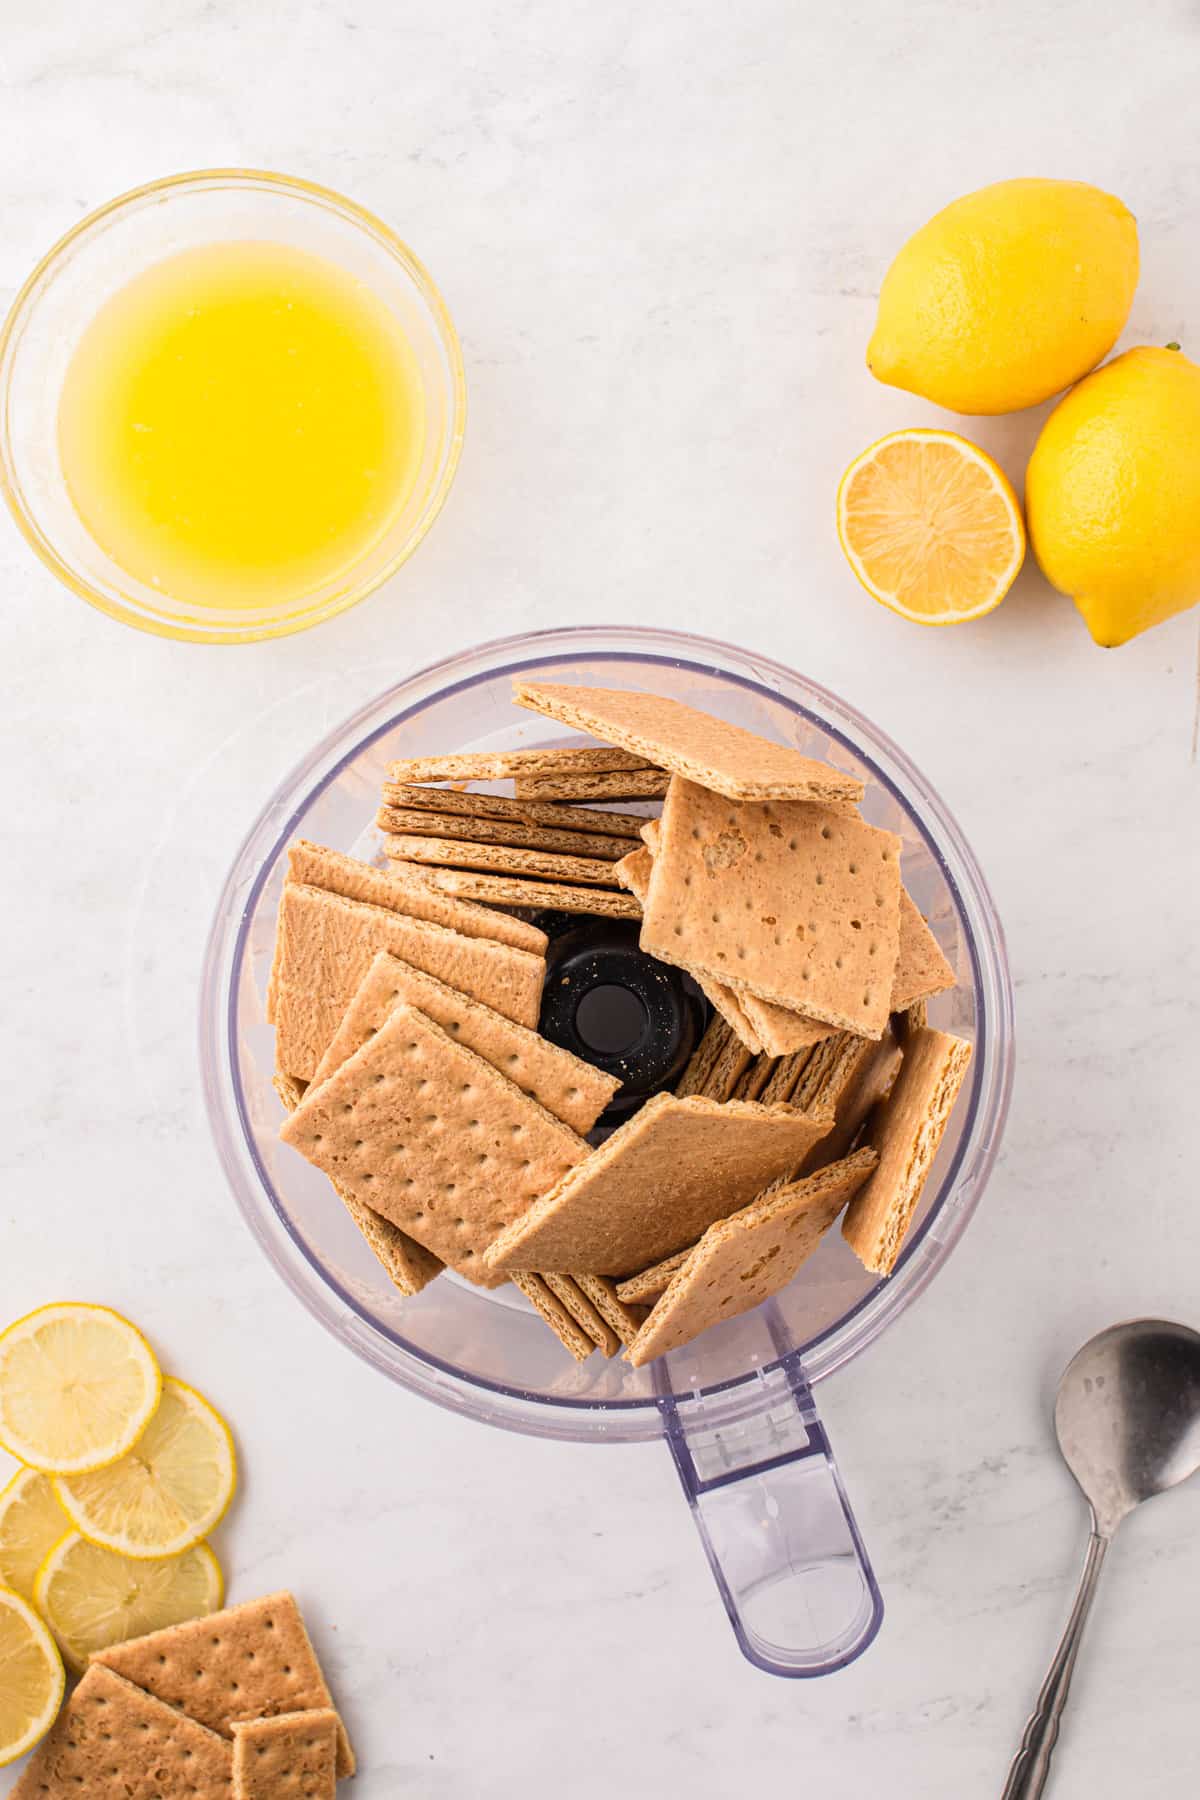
(661, 230)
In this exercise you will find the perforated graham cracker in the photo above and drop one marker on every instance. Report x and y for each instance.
(921, 968)
(409, 821)
(649, 1283)
(509, 890)
(583, 1312)
(569, 1334)
(504, 807)
(314, 865)
(500, 859)
(248, 1662)
(293, 1757)
(496, 765)
(742, 1260)
(797, 903)
(407, 1264)
(327, 944)
(906, 1131)
(633, 784)
(657, 1183)
(424, 1131)
(565, 1085)
(703, 749)
(624, 1320)
(114, 1742)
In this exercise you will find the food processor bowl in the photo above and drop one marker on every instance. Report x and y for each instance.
(735, 1407)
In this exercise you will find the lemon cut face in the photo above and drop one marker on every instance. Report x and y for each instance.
(31, 1677)
(31, 1523)
(92, 1597)
(165, 1494)
(78, 1385)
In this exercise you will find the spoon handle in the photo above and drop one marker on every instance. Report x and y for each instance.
(1031, 1765)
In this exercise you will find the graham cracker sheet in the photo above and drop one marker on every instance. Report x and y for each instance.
(249, 1662)
(504, 807)
(633, 784)
(624, 1320)
(707, 750)
(649, 1283)
(292, 1757)
(500, 859)
(585, 1315)
(569, 1333)
(409, 821)
(423, 1130)
(497, 765)
(511, 890)
(313, 865)
(921, 968)
(906, 1131)
(785, 1078)
(861, 1078)
(797, 903)
(327, 943)
(564, 1084)
(754, 1078)
(113, 1742)
(656, 1184)
(695, 1077)
(744, 1259)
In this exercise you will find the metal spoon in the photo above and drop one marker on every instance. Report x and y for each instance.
(1128, 1424)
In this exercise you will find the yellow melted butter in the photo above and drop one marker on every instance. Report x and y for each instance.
(240, 424)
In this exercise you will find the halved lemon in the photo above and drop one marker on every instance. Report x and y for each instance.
(170, 1490)
(92, 1597)
(31, 1677)
(31, 1523)
(78, 1385)
(931, 526)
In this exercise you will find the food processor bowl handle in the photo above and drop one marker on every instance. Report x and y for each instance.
(775, 1523)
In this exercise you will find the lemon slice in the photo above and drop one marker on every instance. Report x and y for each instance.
(92, 1597)
(170, 1490)
(78, 1385)
(31, 1677)
(31, 1523)
(931, 526)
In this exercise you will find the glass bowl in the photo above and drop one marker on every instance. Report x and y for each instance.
(739, 1396)
(99, 256)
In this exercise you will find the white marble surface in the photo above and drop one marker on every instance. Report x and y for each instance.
(661, 230)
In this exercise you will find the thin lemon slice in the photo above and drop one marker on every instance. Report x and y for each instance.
(92, 1597)
(78, 1385)
(31, 1677)
(170, 1491)
(931, 526)
(31, 1523)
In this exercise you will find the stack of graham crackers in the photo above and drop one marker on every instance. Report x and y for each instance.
(230, 1707)
(414, 1076)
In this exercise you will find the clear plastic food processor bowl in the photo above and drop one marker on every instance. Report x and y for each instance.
(736, 1406)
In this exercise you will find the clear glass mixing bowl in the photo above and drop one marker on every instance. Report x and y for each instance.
(735, 1406)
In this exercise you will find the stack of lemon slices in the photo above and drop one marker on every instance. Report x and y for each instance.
(102, 1530)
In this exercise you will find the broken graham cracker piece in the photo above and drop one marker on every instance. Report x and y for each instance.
(656, 1184)
(570, 1335)
(861, 1077)
(785, 1078)
(633, 784)
(728, 1070)
(742, 1260)
(914, 1018)
(248, 1662)
(327, 944)
(585, 1315)
(796, 903)
(114, 1742)
(921, 969)
(313, 865)
(409, 1266)
(522, 812)
(290, 1757)
(649, 1283)
(703, 749)
(704, 1057)
(564, 1084)
(499, 859)
(497, 765)
(906, 1131)
(424, 1131)
(510, 890)
(408, 820)
(625, 1320)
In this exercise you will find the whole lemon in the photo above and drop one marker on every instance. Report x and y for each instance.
(1112, 493)
(1007, 296)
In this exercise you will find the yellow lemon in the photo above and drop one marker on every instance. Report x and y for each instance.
(31, 1523)
(31, 1677)
(78, 1385)
(91, 1597)
(1112, 493)
(931, 526)
(1007, 296)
